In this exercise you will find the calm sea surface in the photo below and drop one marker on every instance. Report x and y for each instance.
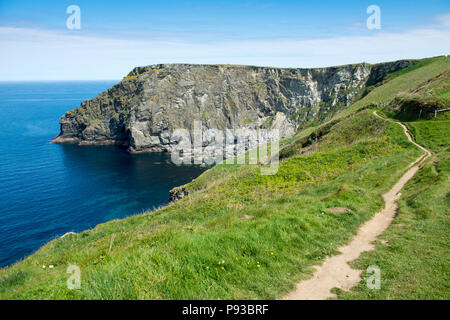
(48, 189)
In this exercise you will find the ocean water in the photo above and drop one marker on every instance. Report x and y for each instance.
(49, 189)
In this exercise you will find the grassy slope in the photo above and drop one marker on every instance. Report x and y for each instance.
(414, 260)
(403, 81)
(177, 252)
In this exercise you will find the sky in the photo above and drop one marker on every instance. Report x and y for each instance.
(116, 36)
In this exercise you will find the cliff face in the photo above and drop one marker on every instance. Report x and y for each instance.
(143, 109)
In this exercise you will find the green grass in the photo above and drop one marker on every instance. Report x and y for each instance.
(432, 134)
(445, 94)
(415, 262)
(407, 80)
(424, 101)
(399, 83)
(174, 253)
(201, 248)
(419, 65)
(414, 258)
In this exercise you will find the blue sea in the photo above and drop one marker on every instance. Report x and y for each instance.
(49, 189)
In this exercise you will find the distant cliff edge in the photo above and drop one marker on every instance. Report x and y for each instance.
(141, 111)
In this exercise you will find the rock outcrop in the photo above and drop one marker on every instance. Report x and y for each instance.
(177, 194)
(141, 111)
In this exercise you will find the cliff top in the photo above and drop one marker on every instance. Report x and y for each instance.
(166, 65)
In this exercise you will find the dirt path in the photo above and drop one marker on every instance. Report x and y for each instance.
(335, 271)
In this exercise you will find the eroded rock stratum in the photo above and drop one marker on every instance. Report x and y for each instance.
(141, 111)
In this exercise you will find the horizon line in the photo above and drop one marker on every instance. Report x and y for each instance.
(218, 64)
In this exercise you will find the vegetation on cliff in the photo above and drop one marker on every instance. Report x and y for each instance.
(413, 254)
(142, 111)
(240, 235)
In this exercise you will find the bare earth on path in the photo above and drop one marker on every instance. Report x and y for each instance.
(335, 272)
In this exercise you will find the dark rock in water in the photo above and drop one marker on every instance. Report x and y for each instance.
(177, 194)
(142, 110)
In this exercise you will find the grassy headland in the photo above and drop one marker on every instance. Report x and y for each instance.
(241, 235)
(413, 254)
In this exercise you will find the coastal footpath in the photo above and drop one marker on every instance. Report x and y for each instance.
(142, 111)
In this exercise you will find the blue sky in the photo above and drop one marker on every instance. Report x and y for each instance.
(116, 36)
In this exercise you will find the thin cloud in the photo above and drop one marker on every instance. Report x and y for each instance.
(33, 54)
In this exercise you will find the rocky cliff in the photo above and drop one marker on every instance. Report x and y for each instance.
(141, 111)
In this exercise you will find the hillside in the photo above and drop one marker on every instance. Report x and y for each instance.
(142, 111)
(414, 252)
(241, 235)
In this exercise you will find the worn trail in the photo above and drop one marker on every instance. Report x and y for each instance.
(335, 271)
